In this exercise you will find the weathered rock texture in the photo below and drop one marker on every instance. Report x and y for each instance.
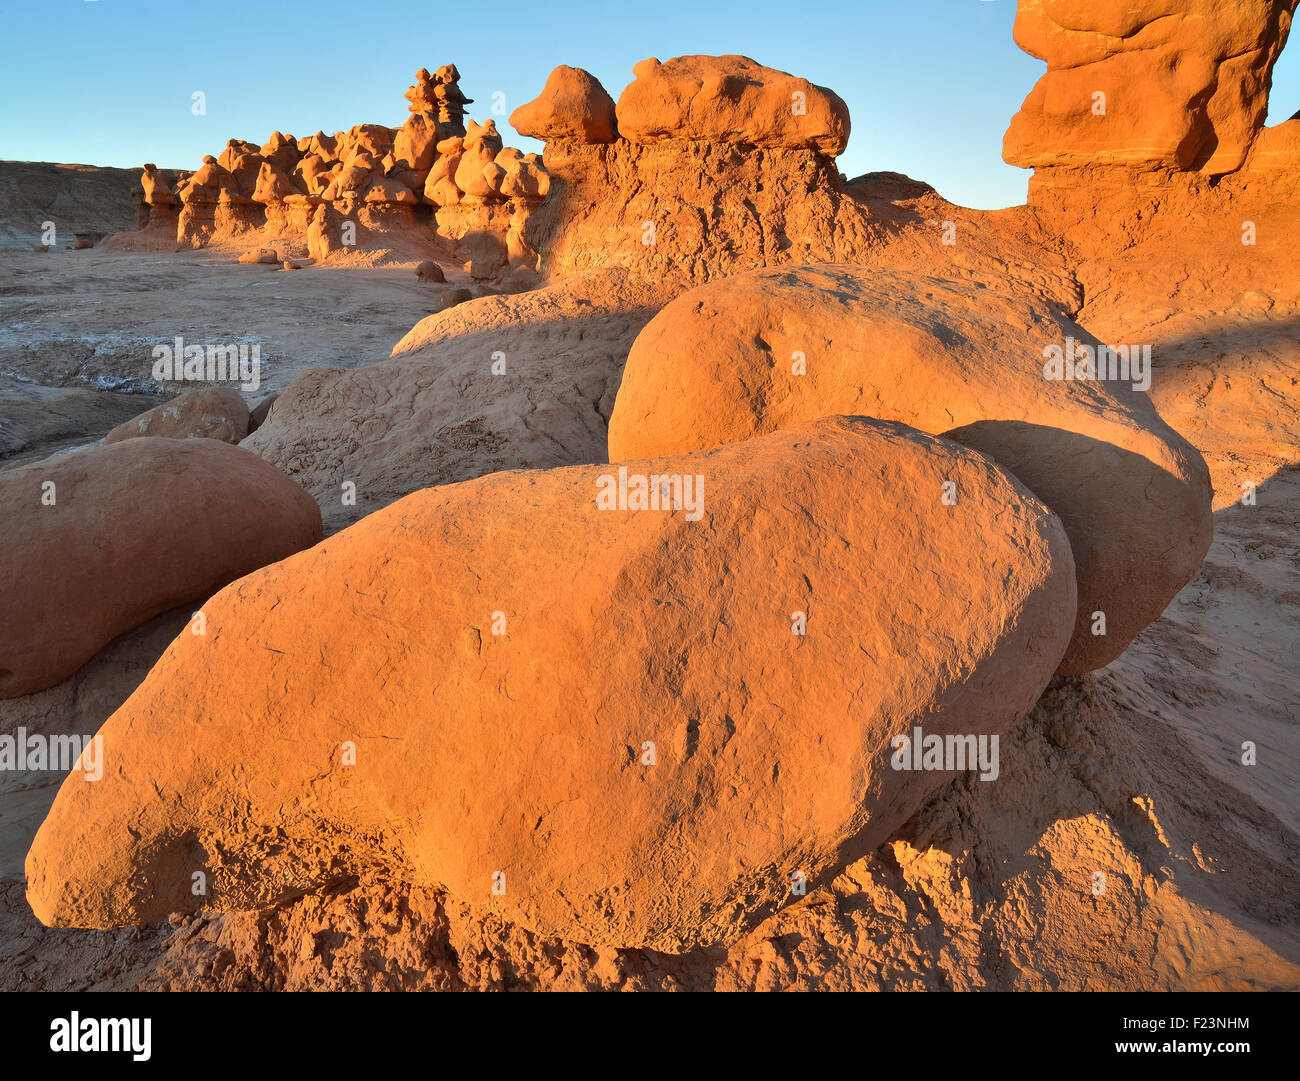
(210, 413)
(1156, 85)
(134, 529)
(510, 759)
(741, 183)
(747, 355)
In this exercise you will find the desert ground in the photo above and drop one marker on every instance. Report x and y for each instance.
(441, 389)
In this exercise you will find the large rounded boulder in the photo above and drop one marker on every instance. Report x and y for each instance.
(638, 707)
(750, 354)
(99, 541)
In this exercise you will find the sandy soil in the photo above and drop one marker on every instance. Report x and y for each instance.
(72, 321)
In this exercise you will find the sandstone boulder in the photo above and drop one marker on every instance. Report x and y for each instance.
(515, 175)
(740, 357)
(272, 185)
(320, 144)
(385, 189)
(595, 722)
(210, 413)
(281, 151)
(313, 173)
(429, 271)
(157, 192)
(416, 142)
(488, 254)
(731, 99)
(133, 529)
(246, 168)
(440, 185)
(452, 297)
(572, 105)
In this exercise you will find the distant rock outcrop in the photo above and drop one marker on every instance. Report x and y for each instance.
(427, 184)
(73, 198)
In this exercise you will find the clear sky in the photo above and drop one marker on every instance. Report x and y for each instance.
(930, 84)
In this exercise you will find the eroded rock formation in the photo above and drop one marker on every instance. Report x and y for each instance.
(430, 182)
(740, 357)
(1157, 85)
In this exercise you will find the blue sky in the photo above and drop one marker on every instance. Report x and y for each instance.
(930, 84)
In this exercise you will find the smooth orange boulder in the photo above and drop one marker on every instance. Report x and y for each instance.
(630, 727)
(100, 541)
(756, 352)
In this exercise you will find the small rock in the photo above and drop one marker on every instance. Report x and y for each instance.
(453, 297)
(429, 271)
